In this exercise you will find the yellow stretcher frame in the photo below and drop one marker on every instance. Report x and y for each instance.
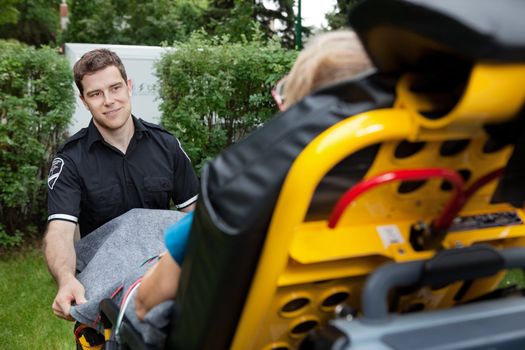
(298, 253)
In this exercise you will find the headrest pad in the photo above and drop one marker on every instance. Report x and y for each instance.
(409, 34)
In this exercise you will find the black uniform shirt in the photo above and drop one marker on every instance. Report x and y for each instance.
(91, 182)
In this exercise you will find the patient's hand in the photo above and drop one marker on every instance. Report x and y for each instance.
(159, 284)
(69, 292)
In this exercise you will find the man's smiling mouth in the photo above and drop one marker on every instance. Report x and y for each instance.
(112, 112)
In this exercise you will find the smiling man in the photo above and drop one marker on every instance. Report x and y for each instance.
(117, 163)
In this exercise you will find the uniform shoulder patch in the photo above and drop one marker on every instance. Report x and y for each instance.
(54, 172)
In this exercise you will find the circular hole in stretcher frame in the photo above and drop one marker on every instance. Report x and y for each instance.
(406, 149)
(294, 304)
(406, 187)
(492, 146)
(333, 297)
(302, 326)
(465, 175)
(453, 147)
(277, 346)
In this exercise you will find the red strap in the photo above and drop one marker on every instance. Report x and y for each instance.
(408, 174)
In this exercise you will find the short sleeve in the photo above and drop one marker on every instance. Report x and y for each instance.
(176, 237)
(64, 193)
(186, 184)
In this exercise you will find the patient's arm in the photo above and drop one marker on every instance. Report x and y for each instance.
(159, 284)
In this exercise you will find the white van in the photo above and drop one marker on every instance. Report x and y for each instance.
(139, 62)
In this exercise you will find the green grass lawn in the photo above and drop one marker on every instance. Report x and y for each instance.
(514, 277)
(26, 293)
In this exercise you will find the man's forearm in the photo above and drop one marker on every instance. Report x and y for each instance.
(60, 255)
(59, 252)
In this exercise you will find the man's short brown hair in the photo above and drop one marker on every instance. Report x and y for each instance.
(93, 61)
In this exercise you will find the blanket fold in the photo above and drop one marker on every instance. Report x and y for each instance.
(117, 254)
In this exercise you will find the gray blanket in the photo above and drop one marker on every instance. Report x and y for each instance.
(113, 256)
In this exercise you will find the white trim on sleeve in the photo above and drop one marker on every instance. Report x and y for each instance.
(63, 217)
(188, 202)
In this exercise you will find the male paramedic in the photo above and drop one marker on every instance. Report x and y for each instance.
(116, 164)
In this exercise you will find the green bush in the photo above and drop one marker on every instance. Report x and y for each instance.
(36, 104)
(214, 91)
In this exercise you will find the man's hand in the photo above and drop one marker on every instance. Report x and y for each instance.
(71, 292)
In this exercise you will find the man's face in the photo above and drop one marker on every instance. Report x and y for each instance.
(108, 97)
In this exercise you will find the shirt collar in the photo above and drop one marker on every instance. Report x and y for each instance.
(139, 126)
(94, 134)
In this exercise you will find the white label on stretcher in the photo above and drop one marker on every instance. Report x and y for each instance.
(390, 234)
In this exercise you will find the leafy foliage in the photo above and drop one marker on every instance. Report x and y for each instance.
(236, 18)
(37, 22)
(338, 18)
(228, 17)
(9, 13)
(132, 22)
(280, 20)
(154, 22)
(215, 91)
(36, 104)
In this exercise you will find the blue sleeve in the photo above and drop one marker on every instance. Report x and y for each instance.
(176, 237)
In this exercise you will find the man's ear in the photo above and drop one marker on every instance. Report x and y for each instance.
(130, 87)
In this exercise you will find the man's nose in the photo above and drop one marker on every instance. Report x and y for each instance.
(108, 98)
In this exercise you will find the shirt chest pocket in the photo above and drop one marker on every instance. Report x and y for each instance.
(106, 196)
(157, 192)
(104, 203)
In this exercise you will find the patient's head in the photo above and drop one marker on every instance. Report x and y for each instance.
(327, 58)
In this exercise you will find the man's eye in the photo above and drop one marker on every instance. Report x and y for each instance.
(95, 94)
(115, 88)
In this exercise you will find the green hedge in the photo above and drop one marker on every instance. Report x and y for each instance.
(214, 92)
(36, 104)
